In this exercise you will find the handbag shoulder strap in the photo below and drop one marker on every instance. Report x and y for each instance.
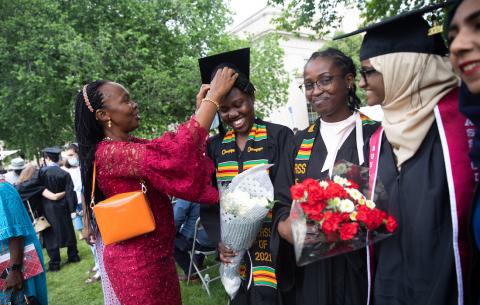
(92, 195)
(94, 174)
(30, 209)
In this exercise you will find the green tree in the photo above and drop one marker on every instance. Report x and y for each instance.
(326, 15)
(50, 48)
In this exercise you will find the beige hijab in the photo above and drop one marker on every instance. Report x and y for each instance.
(414, 84)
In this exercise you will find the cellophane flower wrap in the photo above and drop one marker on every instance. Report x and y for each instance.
(333, 216)
(244, 204)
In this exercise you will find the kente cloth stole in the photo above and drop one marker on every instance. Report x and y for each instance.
(257, 268)
(304, 153)
(305, 150)
(255, 153)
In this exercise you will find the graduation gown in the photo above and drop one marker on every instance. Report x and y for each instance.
(338, 280)
(278, 136)
(416, 265)
(61, 233)
(31, 191)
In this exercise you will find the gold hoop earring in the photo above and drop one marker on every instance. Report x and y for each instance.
(109, 124)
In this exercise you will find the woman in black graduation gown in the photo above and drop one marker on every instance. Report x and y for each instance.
(422, 262)
(338, 134)
(249, 141)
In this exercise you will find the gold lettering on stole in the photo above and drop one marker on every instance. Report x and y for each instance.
(250, 149)
(227, 151)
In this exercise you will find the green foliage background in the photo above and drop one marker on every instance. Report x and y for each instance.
(50, 48)
(323, 16)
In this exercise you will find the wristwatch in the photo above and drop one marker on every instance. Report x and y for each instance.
(17, 267)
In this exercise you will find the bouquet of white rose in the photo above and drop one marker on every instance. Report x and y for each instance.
(244, 204)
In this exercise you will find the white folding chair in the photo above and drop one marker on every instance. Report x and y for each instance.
(203, 273)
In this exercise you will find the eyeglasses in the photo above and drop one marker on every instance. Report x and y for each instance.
(324, 83)
(367, 72)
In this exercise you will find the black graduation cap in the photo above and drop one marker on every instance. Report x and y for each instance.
(239, 60)
(407, 32)
(52, 150)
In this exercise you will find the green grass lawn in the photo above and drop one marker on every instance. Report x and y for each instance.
(67, 287)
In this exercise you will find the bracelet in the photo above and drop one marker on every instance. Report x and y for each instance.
(211, 101)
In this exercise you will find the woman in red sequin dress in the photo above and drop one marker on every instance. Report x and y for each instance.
(142, 269)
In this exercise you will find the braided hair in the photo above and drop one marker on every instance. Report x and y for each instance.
(346, 65)
(89, 132)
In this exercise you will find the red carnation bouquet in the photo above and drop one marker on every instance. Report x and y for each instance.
(332, 217)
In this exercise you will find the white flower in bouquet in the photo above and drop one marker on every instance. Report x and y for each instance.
(244, 205)
(324, 184)
(355, 194)
(370, 204)
(342, 181)
(346, 206)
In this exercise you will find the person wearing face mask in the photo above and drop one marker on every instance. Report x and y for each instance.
(464, 42)
(422, 162)
(72, 167)
(248, 141)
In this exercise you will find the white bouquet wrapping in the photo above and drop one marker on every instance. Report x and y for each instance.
(244, 204)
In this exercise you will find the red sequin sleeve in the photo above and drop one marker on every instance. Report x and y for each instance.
(175, 163)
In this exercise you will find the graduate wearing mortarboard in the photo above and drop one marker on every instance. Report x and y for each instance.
(247, 141)
(61, 233)
(423, 163)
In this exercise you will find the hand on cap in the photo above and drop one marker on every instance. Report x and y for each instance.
(221, 84)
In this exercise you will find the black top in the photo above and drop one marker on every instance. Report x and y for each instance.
(338, 280)
(61, 233)
(416, 264)
(239, 60)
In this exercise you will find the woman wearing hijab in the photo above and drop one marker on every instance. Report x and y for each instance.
(422, 163)
(339, 134)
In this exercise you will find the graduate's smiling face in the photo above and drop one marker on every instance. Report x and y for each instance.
(372, 82)
(326, 89)
(237, 111)
(464, 39)
(118, 108)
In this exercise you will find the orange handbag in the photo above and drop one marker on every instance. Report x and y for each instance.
(122, 216)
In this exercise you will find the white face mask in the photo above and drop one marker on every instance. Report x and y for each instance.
(73, 161)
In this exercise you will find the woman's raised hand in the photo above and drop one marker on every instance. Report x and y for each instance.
(201, 94)
(213, 95)
(221, 84)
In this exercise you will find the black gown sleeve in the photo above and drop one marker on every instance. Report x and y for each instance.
(30, 188)
(210, 213)
(283, 254)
